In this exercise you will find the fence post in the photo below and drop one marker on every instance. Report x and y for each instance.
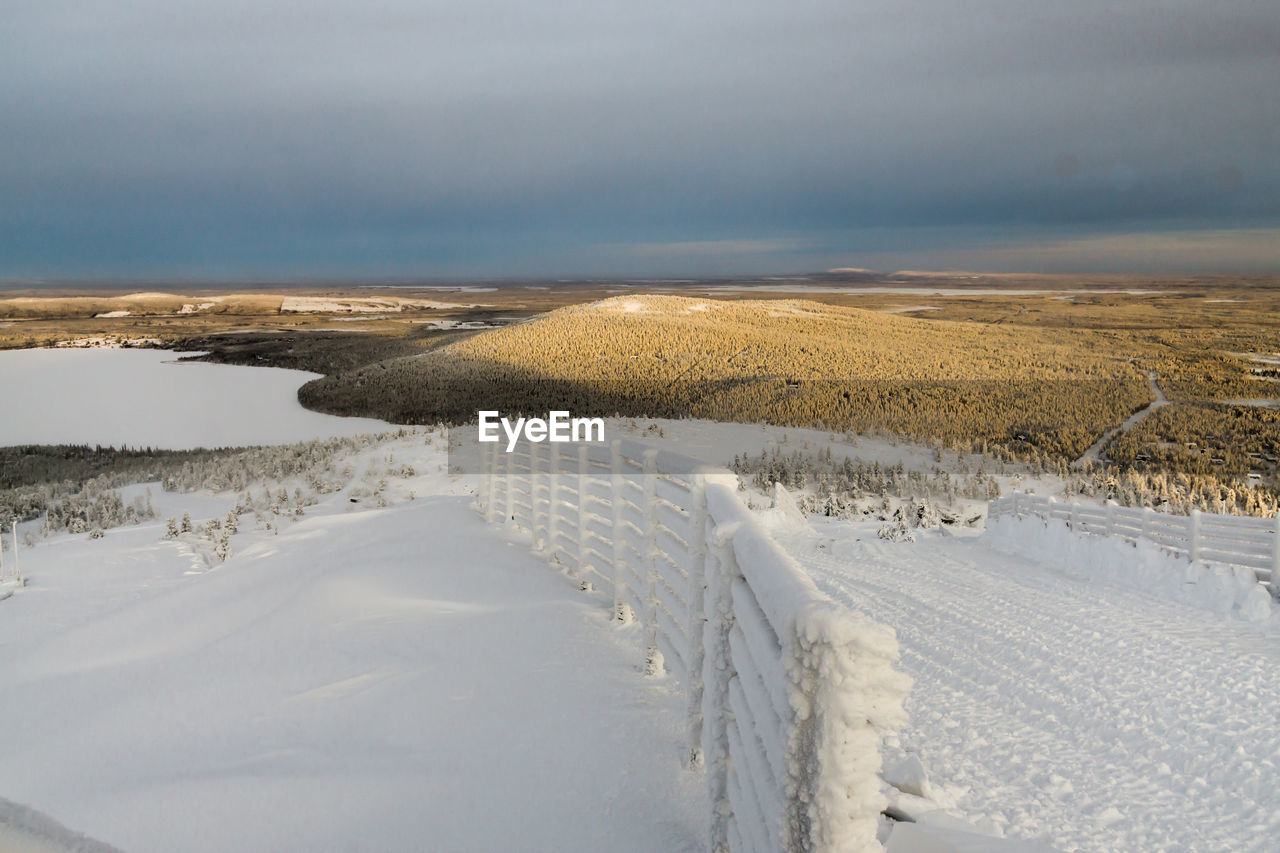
(697, 617)
(1275, 558)
(584, 467)
(652, 656)
(1147, 513)
(1194, 543)
(621, 610)
(489, 470)
(553, 495)
(1014, 500)
(535, 513)
(1111, 516)
(1075, 515)
(510, 489)
(532, 456)
(17, 569)
(718, 670)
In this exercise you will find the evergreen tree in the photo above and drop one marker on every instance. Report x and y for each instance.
(223, 549)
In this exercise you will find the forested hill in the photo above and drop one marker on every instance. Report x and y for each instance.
(787, 362)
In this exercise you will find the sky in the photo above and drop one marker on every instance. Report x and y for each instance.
(507, 138)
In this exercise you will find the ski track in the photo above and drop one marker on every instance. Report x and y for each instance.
(1090, 717)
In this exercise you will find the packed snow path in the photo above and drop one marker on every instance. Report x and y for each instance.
(1093, 718)
(393, 679)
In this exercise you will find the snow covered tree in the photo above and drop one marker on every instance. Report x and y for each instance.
(223, 549)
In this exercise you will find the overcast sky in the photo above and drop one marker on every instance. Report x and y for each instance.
(578, 137)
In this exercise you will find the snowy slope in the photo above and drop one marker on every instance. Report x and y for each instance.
(393, 679)
(405, 678)
(1085, 714)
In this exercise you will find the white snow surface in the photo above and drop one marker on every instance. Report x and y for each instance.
(405, 678)
(145, 398)
(389, 679)
(1142, 566)
(1062, 708)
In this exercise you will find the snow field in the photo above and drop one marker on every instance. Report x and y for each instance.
(388, 679)
(325, 689)
(146, 398)
(1065, 707)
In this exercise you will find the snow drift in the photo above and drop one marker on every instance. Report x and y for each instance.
(1135, 565)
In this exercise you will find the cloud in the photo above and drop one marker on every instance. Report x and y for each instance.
(1241, 251)
(420, 135)
(714, 248)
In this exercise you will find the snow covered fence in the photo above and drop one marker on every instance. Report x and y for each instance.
(10, 577)
(1236, 540)
(787, 692)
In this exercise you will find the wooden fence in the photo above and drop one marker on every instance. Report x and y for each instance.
(1234, 539)
(786, 692)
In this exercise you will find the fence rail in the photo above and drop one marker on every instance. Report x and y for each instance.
(786, 692)
(1239, 540)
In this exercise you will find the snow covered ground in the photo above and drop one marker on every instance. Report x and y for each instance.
(145, 398)
(409, 678)
(1054, 706)
(405, 678)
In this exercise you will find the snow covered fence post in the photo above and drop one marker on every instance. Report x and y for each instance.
(489, 470)
(535, 513)
(696, 617)
(652, 656)
(621, 610)
(17, 569)
(717, 672)
(1275, 557)
(553, 496)
(511, 486)
(584, 469)
(844, 690)
(1193, 545)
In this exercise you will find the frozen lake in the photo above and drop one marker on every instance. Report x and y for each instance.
(145, 398)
